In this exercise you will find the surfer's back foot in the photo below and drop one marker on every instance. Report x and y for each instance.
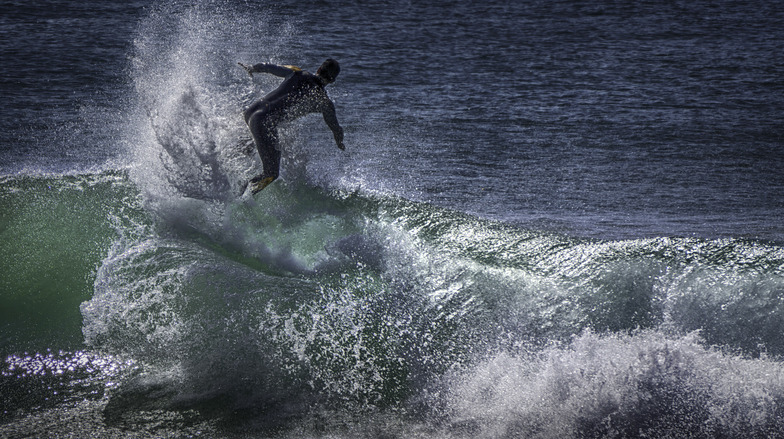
(260, 182)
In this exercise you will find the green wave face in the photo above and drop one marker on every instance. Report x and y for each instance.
(54, 233)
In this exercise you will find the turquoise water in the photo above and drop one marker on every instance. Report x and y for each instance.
(55, 233)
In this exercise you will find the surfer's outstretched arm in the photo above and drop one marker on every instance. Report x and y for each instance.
(273, 69)
(332, 122)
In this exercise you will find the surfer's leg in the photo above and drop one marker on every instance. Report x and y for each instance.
(261, 106)
(266, 140)
(270, 157)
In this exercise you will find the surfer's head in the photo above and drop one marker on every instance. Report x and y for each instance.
(329, 70)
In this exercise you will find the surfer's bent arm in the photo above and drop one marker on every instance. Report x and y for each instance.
(332, 122)
(273, 69)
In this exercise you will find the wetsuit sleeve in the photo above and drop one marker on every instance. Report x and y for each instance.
(273, 69)
(332, 122)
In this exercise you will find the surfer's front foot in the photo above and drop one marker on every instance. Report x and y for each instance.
(259, 183)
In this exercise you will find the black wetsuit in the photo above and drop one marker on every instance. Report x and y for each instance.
(299, 94)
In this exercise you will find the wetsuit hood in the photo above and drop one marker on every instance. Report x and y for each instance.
(329, 70)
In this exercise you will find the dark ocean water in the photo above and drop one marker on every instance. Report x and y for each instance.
(553, 219)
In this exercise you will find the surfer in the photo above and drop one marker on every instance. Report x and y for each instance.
(299, 94)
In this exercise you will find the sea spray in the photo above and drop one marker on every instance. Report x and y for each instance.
(645, 384)
(188, 136)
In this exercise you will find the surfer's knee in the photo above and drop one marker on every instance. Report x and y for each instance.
(254, 118)
(247, 115)
(257, 111)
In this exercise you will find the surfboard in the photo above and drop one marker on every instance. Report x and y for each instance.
(257, 186)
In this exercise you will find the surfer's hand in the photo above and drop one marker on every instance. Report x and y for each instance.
(342, 146)
(247, 69)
